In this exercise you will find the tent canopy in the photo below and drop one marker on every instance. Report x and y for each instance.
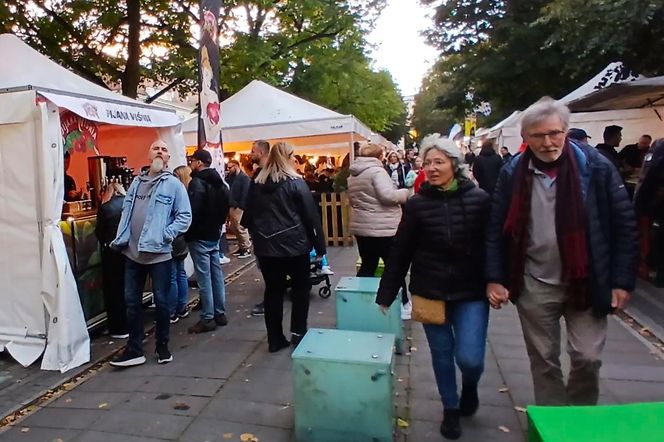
(637, 94)
(31, 70)
(261, 111)
(508, 131)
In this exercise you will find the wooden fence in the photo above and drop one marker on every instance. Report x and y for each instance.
(335, 215)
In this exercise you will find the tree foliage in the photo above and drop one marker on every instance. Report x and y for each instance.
(428, 117)
(512, 53)
(134, 42)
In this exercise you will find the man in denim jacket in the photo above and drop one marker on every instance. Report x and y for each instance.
(155, 211)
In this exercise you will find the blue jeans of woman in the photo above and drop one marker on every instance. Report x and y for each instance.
(179, 288)
(462, 339)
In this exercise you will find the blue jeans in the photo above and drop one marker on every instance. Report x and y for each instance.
(210, 278)
(462, 339)
(179, 288)
(160, 275)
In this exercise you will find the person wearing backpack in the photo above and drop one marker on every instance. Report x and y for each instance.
(209, 207)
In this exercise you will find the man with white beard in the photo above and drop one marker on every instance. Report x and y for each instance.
(156, 210)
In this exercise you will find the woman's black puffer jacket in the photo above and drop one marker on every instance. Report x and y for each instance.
(441, 238)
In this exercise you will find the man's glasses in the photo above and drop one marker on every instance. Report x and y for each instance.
(554, 134)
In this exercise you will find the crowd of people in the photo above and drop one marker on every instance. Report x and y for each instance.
(551, 229)
(165, 215)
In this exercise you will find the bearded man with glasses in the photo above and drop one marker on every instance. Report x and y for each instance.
(561, 242)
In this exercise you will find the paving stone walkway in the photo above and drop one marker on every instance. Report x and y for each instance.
(224, 384)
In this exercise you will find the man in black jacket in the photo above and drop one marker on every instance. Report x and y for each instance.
(209, 207)
(239, 183)
(581, 266)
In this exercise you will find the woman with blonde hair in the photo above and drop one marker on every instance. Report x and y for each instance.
(284, 222)
(179, 295)
(112, 262)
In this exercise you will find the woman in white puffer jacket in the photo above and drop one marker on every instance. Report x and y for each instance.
(376, 204)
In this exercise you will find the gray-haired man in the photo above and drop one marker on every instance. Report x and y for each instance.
(581, 267)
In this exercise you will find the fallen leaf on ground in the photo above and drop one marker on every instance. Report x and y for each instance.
(25, 430)
(644, 331)
(228, 436)
(503, 390)
(57, 439)
(286, 406)
(181, 406)
(520, 409)
(257, 279)
(504, 429)
(402, 423)
(248, 437)
(68, 400)
(409, 338)
(399, 380)
(413, 348)
(103, 405)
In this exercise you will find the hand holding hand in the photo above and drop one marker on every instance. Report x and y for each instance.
(497, 294)
(384, 309)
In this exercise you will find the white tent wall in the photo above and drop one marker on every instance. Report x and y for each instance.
(22, 318)
(68, 342)
(635, 122)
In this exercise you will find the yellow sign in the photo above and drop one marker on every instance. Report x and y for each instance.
(469, 126)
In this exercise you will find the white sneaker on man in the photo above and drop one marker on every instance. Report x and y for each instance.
(224, 260)
(406, 310)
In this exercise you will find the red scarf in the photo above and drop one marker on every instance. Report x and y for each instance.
(570, 224)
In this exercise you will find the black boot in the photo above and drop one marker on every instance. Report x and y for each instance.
(450, 428)
(469, 402)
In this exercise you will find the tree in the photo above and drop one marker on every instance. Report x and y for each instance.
(631, 31)
(131, 42)
(512, 53)
(428, 117)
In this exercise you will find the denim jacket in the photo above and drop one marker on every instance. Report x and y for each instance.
(168, 215)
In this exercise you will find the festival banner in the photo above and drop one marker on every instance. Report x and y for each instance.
(209, 109)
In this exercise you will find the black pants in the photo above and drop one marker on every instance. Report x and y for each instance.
(113, 270)
(275, 272)
(371, 249)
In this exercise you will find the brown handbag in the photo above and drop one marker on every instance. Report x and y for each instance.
(428, 311)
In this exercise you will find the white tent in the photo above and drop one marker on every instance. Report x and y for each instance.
(41, 311)
(644, 93)
(260, 111)
(508, 132)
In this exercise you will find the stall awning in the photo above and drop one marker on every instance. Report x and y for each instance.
(110, 112)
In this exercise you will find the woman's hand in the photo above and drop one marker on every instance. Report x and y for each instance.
(497, 294)
(384, 309)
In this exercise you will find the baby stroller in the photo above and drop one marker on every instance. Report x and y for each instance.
(316, 278)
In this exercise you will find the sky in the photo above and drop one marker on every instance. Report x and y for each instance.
(401, 49)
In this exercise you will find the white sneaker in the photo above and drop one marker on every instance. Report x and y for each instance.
(224, 260)
(326, 270)
(120, 336)
(406, 311)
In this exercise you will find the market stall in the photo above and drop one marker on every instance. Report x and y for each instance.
(260, 111)
(50, 280)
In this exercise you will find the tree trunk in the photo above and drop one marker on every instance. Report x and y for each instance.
(132, 74)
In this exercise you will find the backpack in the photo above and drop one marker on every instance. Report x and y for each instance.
(218, 202)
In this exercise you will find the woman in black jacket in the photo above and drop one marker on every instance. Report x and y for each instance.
(442, 236)
(112, 262)
(284, 223)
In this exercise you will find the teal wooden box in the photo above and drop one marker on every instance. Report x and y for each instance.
(357, 309)
(343, 387)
